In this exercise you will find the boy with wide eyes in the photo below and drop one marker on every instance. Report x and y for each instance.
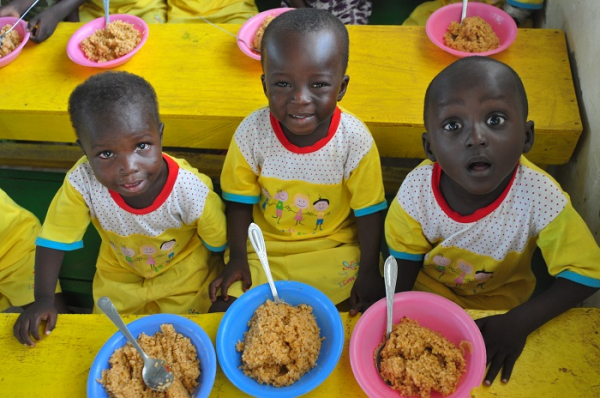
(478, 207)
(302, 148)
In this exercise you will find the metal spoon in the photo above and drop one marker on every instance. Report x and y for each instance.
(106, 4)
(463, 15)
(16, 23)
(258, 243)
(390, 274)
(156, 373)
(229, 33)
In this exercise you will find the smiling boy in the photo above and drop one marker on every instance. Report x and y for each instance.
(138, 198)
(303, 147)
(480, 206)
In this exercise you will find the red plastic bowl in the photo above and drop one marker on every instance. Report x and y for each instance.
(22, 29)
(74, 50)
(502, 24)
(249, 29)
(432, 311)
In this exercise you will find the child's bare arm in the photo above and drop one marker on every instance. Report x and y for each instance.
(505, 335)
(43, 25)
(47, 266)
(239, 217)
(369, 286)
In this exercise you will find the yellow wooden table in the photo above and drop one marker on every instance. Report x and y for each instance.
(560, 360)
(206, 86)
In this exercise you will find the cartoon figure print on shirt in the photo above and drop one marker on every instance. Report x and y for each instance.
(301, 201)
(281, 197)
(320, 205)
(128, 253)
(169, 246)
(267, 197)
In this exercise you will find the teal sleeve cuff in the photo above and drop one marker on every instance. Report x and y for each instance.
(250, 200)
(407, 256)
(215, 249)
(66, 247)
(583, 280)
(371, 209)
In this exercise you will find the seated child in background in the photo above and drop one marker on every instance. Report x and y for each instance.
(151, 11)
(466, 222)
(307, 173)
(44, 16)
(18, 230)
(158, 217)
(216, 11)
(350, 12)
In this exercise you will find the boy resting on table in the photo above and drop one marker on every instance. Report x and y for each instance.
(18, 230)
(158, 217)
(465, 223)
(307, 173)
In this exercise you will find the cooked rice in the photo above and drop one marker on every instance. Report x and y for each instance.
(281, 344)
(417, 360)
(473, 36)
(9, 42)
(257, 42)
(124, 378)
(117, 39)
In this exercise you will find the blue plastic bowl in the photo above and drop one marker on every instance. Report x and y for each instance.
(151, 325)
(235, 323)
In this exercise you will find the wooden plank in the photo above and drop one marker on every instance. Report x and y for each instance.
(206, 86)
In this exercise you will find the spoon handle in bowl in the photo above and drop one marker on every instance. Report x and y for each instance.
(19, 20)
(390, 274)
(258, 243)
(110, 311)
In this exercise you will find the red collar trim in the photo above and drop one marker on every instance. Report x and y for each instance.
(335, 122)
(479, 213)
(173, 169)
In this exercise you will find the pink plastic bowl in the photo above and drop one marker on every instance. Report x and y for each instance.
(74, 51)
(432, 311)
(502, 24)
(22, 29)
(249, 29)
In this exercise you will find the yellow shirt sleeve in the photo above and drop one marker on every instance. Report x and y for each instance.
(404, 235)
(366, 185)
(18, 230)
(238, 181)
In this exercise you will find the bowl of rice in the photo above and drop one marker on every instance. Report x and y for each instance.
(279, 340)
(252, 30)
(486, 29)
(433, 320)
(182, 343)
(14, 41)
(98, 45)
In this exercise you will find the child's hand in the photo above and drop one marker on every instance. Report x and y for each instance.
(504, 342)
(233, 271)
(28, 323)
(367, 289)
(44, 24)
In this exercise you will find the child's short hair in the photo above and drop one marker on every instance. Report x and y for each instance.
(102, 92)
(456, 69)
(308, 20)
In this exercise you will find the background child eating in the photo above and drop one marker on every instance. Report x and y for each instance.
(300, 164)
(157, 216)
(465, 223)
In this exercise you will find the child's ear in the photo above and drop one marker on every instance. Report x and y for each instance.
(427, 147)
(343, 87)
(80, 145)
(529, 136)
(161, 128)
(264, 84)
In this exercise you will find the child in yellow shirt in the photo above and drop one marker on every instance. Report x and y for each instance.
(308, 173)
(158, 217)
(465, 223)
(18, 231)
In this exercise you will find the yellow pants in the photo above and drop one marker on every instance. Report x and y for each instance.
(324, 264)
(16, 283)
(151, 11)
(182, 289)
(217, 11)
